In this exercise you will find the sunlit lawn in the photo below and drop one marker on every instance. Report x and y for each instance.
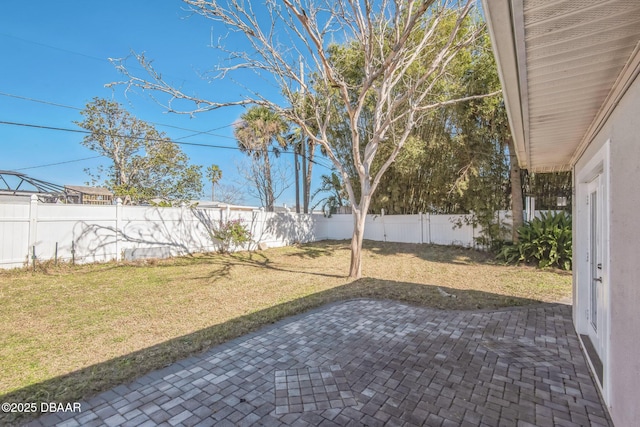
(106, 324)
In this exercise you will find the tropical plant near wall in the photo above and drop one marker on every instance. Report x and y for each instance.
(545, 241)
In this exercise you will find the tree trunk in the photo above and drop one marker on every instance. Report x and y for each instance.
(296, 169)
(517, 208)
(305, 200)
(307, 185)
(359, 218)
(270, 202)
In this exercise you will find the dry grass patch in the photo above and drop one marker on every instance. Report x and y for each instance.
(69, 332)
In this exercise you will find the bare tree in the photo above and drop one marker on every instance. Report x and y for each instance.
(406, 47)
(264, 180)
(229, 193)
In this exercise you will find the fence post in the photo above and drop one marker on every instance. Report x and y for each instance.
(473, 234)
(33, 224)
(118, 227)
(184, 223)
(262, 220)
(530, 212)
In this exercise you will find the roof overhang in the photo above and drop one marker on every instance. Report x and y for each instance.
(564, 65)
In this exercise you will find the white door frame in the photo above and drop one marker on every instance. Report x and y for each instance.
(595, 311)
(594, 176)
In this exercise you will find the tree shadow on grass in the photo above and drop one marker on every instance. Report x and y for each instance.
(450, 254)
(223, 266)
(64, 267)
(89, 381)
(431, 252)
(312, 252)
(320, 248)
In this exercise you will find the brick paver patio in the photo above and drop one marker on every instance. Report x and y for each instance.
(371, 363)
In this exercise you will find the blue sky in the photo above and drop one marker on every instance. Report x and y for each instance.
(57, 52)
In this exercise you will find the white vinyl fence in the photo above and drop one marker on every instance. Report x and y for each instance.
(86, 233)
(421, 228)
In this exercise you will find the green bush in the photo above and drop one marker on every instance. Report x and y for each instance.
(230, 232)
(545, 241)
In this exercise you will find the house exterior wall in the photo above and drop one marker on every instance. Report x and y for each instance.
(621, 133)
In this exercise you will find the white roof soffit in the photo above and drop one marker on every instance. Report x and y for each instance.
(564, 65)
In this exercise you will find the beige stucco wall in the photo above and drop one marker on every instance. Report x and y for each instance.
(623, 131)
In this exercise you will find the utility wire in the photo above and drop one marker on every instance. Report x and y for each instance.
(208, 132)
(24, 98)
(55, 48)
(58, 163)
(192, 144)
(73, 52)
(55, 104)
(80, 109)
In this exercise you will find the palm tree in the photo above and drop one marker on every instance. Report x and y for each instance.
(214, 174)
(259, 132)
(337, 197)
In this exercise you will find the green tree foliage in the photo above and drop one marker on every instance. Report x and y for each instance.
(454, 160)
(335, 195)
(261, 131)
(145, 164)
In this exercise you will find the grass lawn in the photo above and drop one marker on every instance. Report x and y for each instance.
(68, 332)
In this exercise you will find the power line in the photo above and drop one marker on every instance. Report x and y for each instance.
(55, 48)
(86, 132)
(55, 104)
(73, 52)
(58, 163)
(42, 127)
(208, 132)
(192, 144)
(24, 98)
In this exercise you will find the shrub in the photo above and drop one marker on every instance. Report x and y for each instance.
(230, 233)
(494, 231)
(545, 241)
